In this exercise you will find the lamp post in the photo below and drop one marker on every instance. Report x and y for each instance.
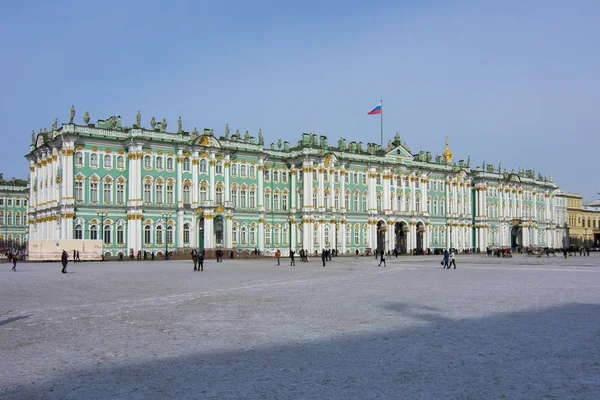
(102, 214)
(166, 216)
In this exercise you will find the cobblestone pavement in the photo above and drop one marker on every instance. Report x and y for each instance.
(248, 329)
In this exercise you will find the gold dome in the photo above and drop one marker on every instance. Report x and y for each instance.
(447, 153)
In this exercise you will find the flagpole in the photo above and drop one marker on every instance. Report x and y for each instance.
(381, 123)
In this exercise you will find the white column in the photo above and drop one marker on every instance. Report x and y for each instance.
(209, 239)
(372, 190)
(294, 193)
(293, 241)
(413, 194)
(195, 189)
(211, 177)
(342, 237)
(389, 236)
(321, 195)
(227, 188)
(343, 191)
(386, 190)
(260, 198)
(228, 237)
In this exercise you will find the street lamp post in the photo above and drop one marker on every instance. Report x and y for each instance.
(166, 216)
(102, 214)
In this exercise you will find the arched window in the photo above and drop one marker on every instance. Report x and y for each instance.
(379, 202)
(78, 232)
(159, 235)
(186, 234)
(147, 234)
(203, 165)
(243, 235)
(120, 234)
(147, 162)
(93, 232)
(94, 160)
(234, 232)
(219, 168)
(252, 172)
(364, 203)
(268, 235)
(120, 162)
(107, 234)
(233, 196)
(326, 230)
(107, 161)
(252, 236)
(276, 176)
(234, 169)
(159, 163)
(17, 218)
(170, 234)
(243, 171)
(267, 175)
(79, 159)
(186, 164)
(170, 163)
(202, 194)
(276, 236)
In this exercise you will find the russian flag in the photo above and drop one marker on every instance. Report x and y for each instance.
(375, 111)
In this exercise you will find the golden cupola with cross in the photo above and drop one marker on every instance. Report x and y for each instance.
(447, 154)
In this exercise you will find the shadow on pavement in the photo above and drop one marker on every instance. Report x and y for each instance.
(13, 319)
(551, 352)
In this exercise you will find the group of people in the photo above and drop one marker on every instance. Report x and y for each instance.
(198, 259)
(449, 259)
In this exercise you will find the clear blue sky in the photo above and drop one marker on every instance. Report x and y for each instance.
(510, 81)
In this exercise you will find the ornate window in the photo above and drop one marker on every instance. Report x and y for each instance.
(276, 176)
(203, 194)
(159, 192)
(147, 192)
(243, 235)
(147, 162)
(120, 193)
(355, 205)
(315, 176)
(186, 195)
(120, 162)
(347, 201)
(276, 202)
(159, 162)
(203, 166)
(267, 201)
(93, 232)
(186, 234)
(94, 192)
(233, 196)
(234, 232)
(107, 234)
(379, 202)
(243, 171)
(252, 172)
(147, 235)
(170, 195)
(268, 235)
(107, 192)
(252, 236)
(243, 198)
(78, 191)
(79, 159)
(107, 161)
(284, 202)
(267, 175)
(219, 195)
(252, 199)
(159, 235)
(120, 234)
(234, 169)
(170, 234)
(378, 179)
(93, 160)
(284, 177)
(186, 164)
(78, 232)
(219, 168)
(315, 200)
(364, 202)
(326, 231)
(170, 164)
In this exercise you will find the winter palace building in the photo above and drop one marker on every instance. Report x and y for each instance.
(144, 189)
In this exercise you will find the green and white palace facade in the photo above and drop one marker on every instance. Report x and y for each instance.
(13, 215)
(145, 189)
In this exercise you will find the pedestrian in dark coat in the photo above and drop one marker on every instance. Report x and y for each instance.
(14, 260)
(382, 260)
(201, 260)
(64, 260)
(446, 258)
(292, 260)
(323, 257)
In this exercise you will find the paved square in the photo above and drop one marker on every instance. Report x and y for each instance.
(248, 329)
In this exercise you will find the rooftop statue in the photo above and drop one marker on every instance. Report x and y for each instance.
(390, 145)
(212, 133)
(138, 119)
(164, 125)
(279, 143)
(55, 124)
(195, 131)
(153, 122)
(179, 125)
(261, 141)
(226, 131)
(32, 136)
(86, 117)
(246, 136)
(72, 115)
(236, 135)
(397, 137)
(117, 122)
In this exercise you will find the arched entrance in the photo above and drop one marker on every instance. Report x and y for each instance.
(401, 233)
(516, 236)
(381, 227)
(420, 235)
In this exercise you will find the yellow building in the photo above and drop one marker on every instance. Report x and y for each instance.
(582, 222)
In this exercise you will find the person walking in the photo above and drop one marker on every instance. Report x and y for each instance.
(445, 259)
(292, 259)
(79, 260)
(452, 260)
(382, 260)
(201, 260)
(278, 256)
(65, 260)
(14, 260)
(323, 256)
(195, 259)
